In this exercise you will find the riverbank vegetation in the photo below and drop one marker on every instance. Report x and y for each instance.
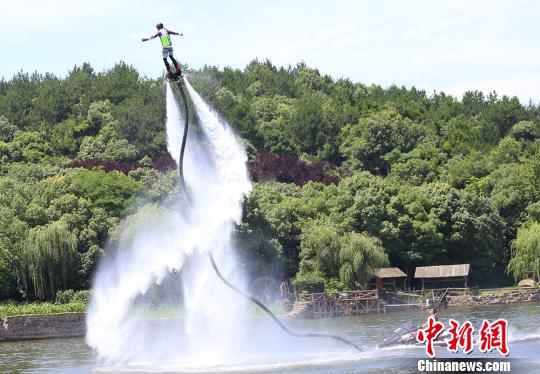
(349, 177)
(11, 309)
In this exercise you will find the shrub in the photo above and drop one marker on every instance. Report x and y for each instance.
(311, 282)
(333, 285)
(64, 297)
(81, 297)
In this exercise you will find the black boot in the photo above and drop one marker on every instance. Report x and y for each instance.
(178, 71)
(169, 72)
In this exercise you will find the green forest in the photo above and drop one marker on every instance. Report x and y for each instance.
(347, 177)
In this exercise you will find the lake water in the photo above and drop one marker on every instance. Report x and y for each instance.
(303, 355)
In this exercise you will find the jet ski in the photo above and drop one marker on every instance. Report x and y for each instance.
(406, 335)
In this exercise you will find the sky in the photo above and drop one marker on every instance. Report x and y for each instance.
(451, 46)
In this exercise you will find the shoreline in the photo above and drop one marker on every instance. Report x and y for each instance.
(518, 296)
(73, 324)
(43, 326)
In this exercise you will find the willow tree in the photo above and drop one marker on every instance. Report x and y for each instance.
(359, 256)
(319, 249)
(526, 253)
(48, 256)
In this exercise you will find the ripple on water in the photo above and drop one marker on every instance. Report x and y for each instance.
(301, 356)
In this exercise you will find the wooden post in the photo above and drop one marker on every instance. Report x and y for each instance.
(423, 285)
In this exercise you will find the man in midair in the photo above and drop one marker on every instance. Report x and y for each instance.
(165, 37)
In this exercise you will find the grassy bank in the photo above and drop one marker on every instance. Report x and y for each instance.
(10, 309)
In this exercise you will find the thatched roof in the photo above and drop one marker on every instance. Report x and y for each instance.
(442, 271)
(389, 273)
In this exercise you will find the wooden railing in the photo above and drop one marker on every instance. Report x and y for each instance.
(439, 291)
(346, 295)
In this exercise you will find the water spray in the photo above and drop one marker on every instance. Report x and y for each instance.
(212, 261)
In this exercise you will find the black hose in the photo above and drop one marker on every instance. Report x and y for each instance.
(184, 139)
(273, 316)
(216, 269)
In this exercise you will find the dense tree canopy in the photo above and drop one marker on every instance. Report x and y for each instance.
(349, 177)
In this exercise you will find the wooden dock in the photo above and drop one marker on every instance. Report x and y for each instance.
(350, 303)
(403, 306)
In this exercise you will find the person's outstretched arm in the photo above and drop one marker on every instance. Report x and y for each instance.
(175, 33)
(150, 38)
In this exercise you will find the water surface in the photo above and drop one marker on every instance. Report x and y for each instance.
(288, 355)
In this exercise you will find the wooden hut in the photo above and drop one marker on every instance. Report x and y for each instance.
(387, 276)
(443, 273)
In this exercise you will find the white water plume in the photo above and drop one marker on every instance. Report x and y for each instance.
(174, 125)
(162, 244)
(162, 261)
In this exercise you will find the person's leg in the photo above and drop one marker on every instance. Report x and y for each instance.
(167, 66)
(175, 63)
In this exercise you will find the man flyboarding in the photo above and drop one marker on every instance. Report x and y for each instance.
(165, 37)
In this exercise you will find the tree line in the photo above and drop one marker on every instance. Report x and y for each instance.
(349, 177)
